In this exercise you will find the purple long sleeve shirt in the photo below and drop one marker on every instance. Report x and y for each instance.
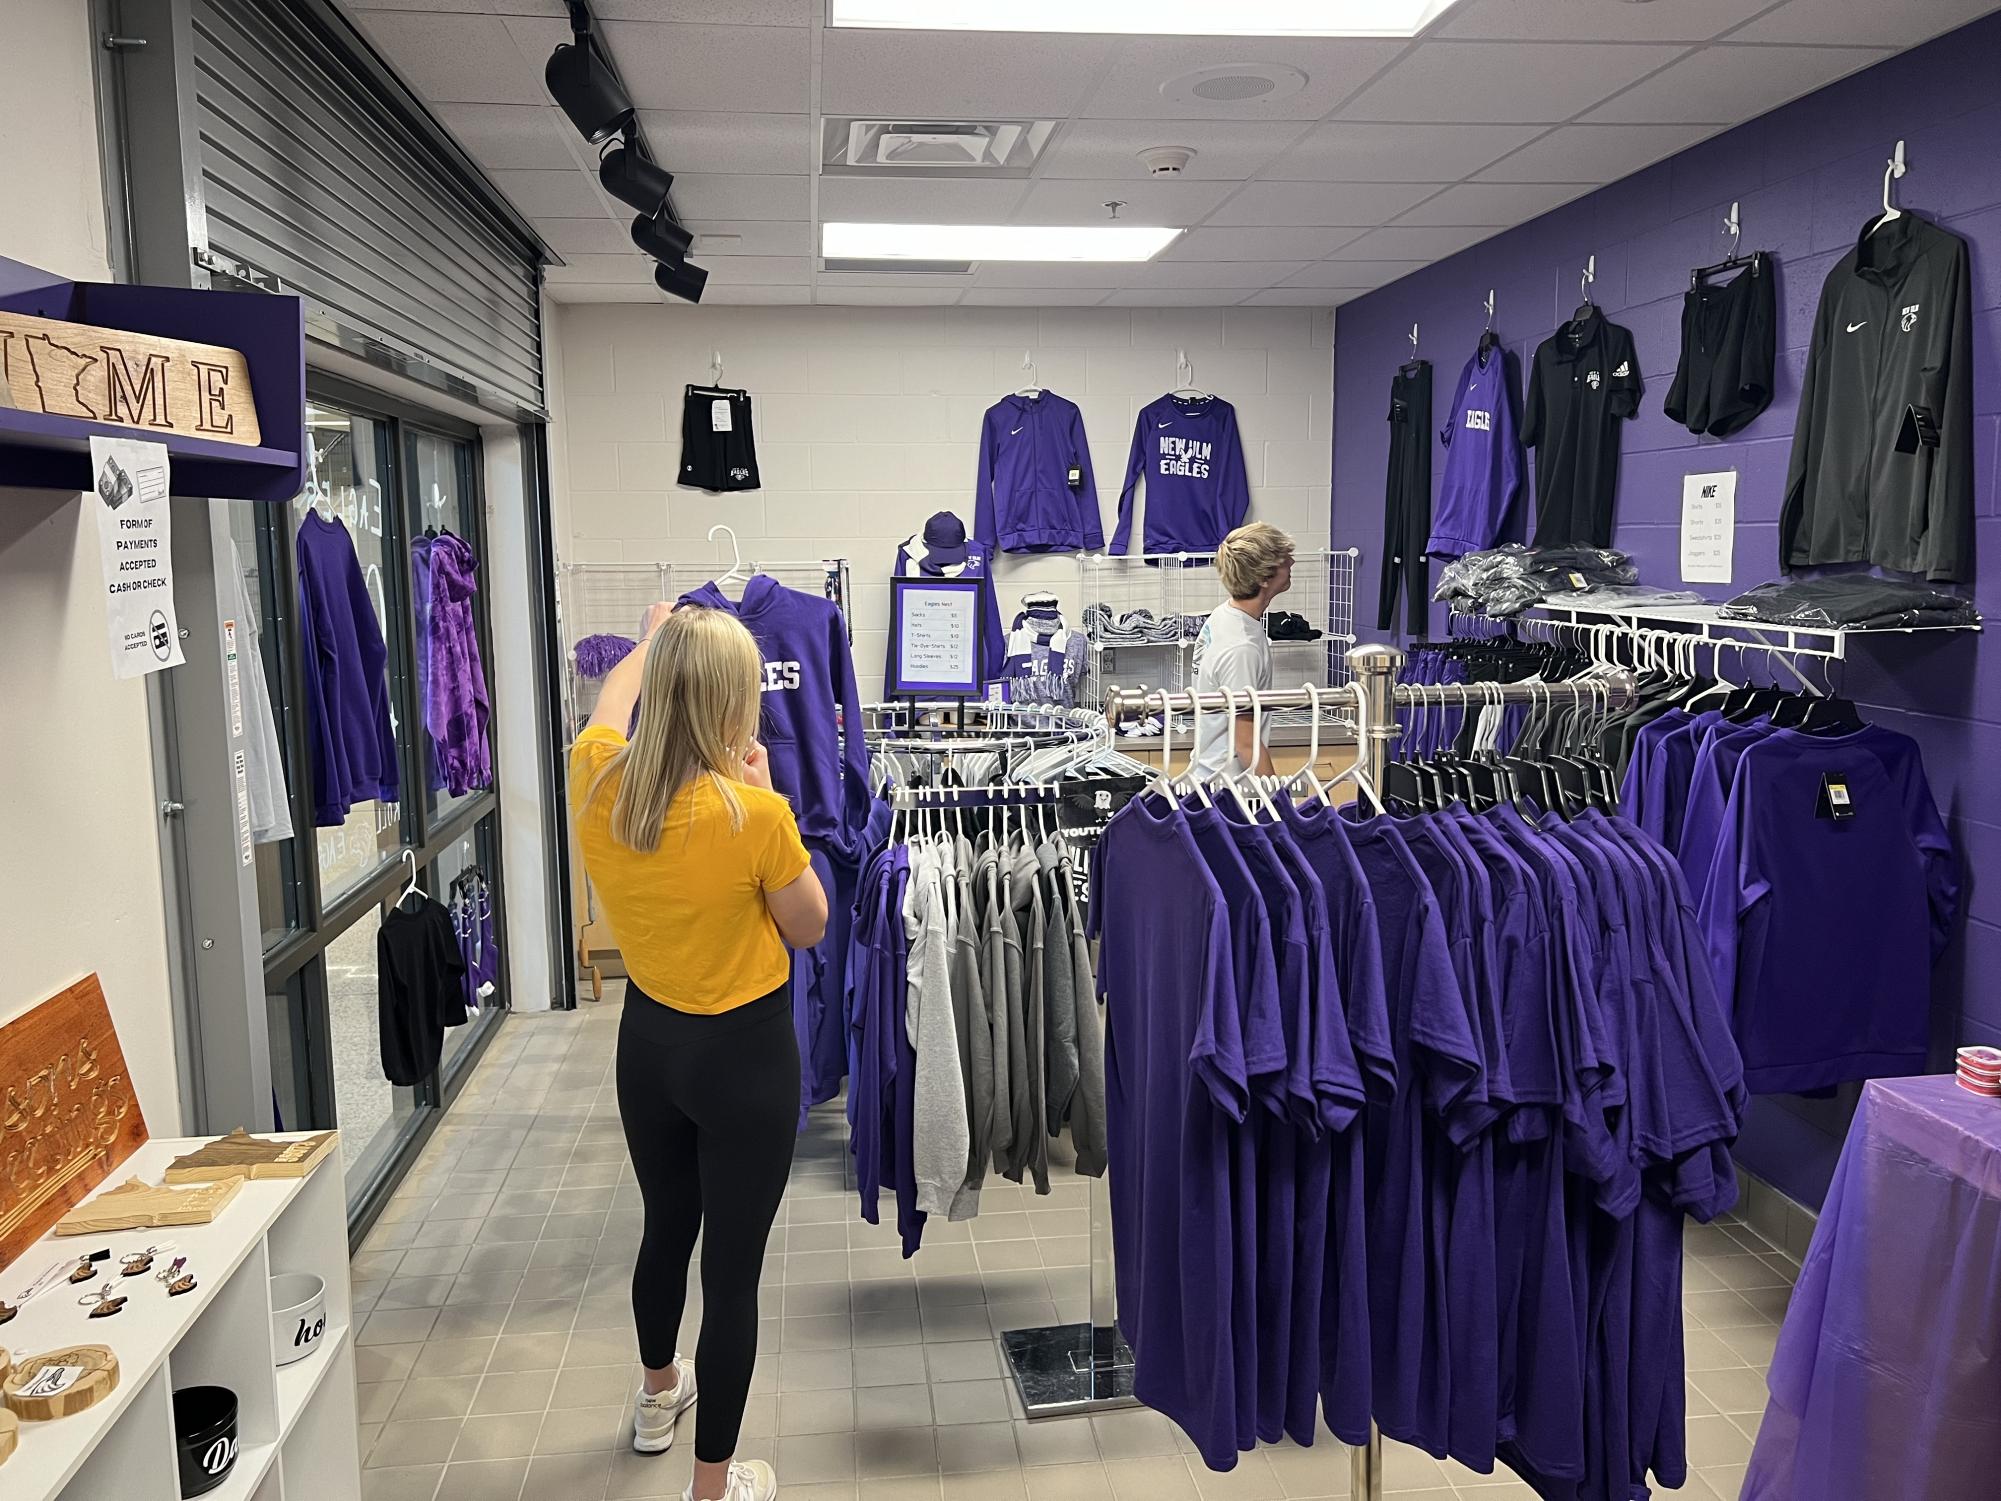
(347, 690)
(1193, 461)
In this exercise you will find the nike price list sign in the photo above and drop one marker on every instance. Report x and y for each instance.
(1708, 527)
(135, 550)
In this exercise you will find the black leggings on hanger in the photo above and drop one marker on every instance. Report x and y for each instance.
(1407, 503)
(711, 1111)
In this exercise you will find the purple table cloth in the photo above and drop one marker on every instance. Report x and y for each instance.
(1887, 1377)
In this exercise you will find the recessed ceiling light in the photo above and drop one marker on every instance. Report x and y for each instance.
(1156, 18)
(994, 242)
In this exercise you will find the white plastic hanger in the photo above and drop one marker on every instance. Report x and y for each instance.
(1034, 386)
(736, 558)
(1184, 372)
(1188, 781)
(1355, 773)
(1892, 169)
(410, 887)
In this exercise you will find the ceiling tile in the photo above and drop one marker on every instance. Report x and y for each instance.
(1593, 154)
(599, 236)
(554, 195)
(918, 200)
(1299, 297)
(690, 141)
(1359, 152)
(504, 136)
(714, 67)
(1354, 273)
(629, 268)
(757, 296)
(603, 292)
(1224, 150)
(1413, 243)
(1049, 274)
(1495, 204)
(1334, 67)
(702, 196)
(785, 237)
(1246, 244)
(1724, 85)
(1570, 21)
(1176, 297)
(757, 270)
(1208, 273)
(457, 59)
(957, 74)
(1863, 23)
(977, 296)
(946, 280)
(884, 296)
(1149, 201)
(1502, 81)
(731, 12)
(1360, 205)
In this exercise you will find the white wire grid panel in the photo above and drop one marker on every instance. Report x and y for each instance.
(611, 599)
(1176, 591)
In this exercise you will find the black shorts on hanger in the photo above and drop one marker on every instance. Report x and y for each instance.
(718, 451)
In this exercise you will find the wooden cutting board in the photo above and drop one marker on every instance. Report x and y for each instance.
(42, 1388)
(68, 1114)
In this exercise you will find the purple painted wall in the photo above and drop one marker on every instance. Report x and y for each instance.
(1807, 176)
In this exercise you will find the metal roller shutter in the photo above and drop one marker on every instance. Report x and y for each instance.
(309, 176)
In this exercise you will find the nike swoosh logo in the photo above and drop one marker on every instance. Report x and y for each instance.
(1167, 424)
(1012, 431)
(1853, 326)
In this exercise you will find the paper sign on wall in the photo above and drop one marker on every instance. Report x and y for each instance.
(1708, 527)
(135, 542)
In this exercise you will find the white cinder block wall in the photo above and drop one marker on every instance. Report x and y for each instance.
(868, 422)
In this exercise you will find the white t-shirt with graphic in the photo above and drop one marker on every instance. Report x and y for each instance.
(1231, 652)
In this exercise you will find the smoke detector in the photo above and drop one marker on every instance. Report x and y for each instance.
(1166, 161)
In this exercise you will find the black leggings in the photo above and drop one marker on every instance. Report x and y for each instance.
(711, 1111)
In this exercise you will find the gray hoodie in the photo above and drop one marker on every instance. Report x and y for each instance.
(1087, 1113)
(941, 1137)
(974, 1028)
(1029, 1092)
(1060, 990)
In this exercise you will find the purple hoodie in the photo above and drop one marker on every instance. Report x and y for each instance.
(812, 722)
(1025, 501)
(1196, 493)
(457, 709)
(347, 691)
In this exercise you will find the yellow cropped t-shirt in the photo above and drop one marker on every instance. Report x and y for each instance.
(690, 918)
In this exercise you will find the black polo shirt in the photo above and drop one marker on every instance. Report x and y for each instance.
(1586, 379)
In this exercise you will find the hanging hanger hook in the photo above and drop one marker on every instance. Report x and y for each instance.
(1733, 226)
(1490, 310)
(716, 365)
(1586, 277)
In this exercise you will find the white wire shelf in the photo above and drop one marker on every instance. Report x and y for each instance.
(1706, 623)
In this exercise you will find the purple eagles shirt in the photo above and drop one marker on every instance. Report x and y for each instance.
(1196, 493)
(1483, 460)
(1176, 1093)
(1023, 499)
(347, 691)
(1825, 930)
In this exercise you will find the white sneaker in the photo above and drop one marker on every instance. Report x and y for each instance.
(654, 1415)
(750, 1480)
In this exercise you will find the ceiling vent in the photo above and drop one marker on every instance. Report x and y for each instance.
(947, 148)
(846, 265)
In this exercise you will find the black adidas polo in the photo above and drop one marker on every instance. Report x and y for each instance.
(1586, 381)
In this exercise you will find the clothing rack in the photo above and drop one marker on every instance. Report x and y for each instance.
(1377, 697)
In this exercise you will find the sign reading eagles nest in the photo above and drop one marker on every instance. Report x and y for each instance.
(165, 386)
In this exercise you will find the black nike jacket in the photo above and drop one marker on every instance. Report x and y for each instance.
(1894, 331)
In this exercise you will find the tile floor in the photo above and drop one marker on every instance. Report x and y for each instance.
(497, 1359)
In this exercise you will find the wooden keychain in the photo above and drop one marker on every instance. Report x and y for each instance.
(137, 1263)
(107, 1302)
(7, 1312)
(177, 1279)
(83, 1271)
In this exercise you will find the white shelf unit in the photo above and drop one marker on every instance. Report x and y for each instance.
(1706, 623)
(298, 1421)
(1183, 586)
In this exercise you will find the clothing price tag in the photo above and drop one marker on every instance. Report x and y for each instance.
(136, 554)
(1835, 802)
(1708, 527)
(1076, 475)
(719, 415)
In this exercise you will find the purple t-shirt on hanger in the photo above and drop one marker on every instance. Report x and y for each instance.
(1483, 459)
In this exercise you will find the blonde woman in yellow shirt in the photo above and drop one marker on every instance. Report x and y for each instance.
(699, 869)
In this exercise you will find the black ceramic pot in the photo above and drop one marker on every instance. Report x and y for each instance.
(205, 1436)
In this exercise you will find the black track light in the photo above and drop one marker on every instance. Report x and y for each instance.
(661, 238)
(580, 81)
(631, 178)
(685, 281)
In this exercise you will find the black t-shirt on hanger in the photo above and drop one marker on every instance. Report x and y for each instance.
(1585, 381)
(418, 993)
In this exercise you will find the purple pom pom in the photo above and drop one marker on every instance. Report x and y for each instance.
(597, 655)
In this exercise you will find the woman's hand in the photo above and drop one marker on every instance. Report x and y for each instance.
(757, 766)
(656, 616)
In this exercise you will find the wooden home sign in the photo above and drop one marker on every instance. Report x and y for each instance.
(68, 1115)
(164, 386)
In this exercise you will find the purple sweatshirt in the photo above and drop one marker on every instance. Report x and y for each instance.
(1483, 460)
(347, 692)
(457, 709)
(812, 724)
(1196, 493)
(1024, 501)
